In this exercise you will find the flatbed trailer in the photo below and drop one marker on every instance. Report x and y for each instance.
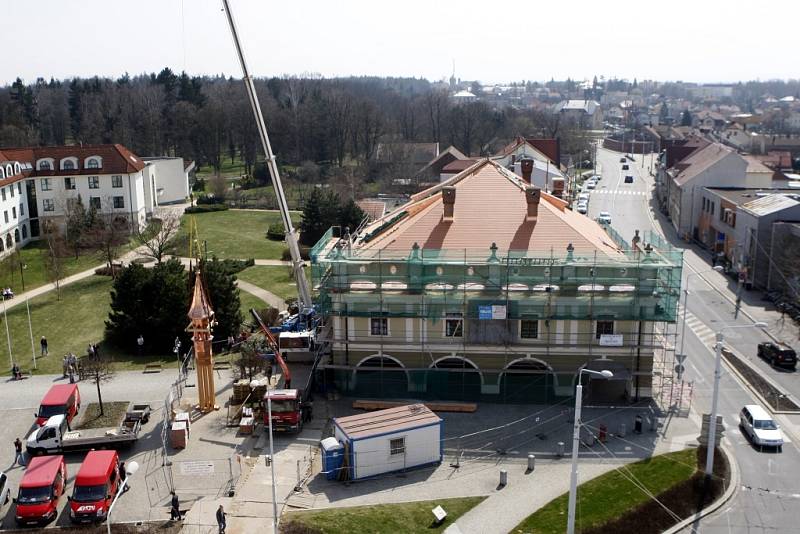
(55, 437)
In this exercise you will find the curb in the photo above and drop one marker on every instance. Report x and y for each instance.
(752, 389)
(733, 486)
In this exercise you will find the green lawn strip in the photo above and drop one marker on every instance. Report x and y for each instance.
(70, 324)
(274, 278)
(227, 168)
(402, 518)
(113, 414)
(233, 234)
(248, 301)
(609, 496)
(35, 273)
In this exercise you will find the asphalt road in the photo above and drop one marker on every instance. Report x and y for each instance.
(770, 493)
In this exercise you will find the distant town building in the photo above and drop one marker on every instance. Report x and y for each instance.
(586, 113)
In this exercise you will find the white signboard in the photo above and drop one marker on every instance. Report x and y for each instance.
(498, 312)
(197, 468)
(611, 340)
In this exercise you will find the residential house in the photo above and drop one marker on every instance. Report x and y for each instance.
(432, 171)
(485, 287)
(586, 113)
(168, 179)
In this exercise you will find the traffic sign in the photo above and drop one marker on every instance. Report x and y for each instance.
(680, 369)
(680, 357)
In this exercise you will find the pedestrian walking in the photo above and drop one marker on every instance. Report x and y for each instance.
(90, 350)
(43, 343)
(140, 343)
(65, 366)
(221, 519)
(231, 342)
(19, 458)
(71, 375)
(16, 371)
(96, 349)
(175, 510)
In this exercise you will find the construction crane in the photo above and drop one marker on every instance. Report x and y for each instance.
(291, 237)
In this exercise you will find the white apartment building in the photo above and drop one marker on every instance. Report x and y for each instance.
(39, 184)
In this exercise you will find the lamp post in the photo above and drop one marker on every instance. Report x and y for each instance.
(8, 333)
(712, 421)
(272, 463)
(130, 470)
(22, 267)
(576, 438)
(717, 268)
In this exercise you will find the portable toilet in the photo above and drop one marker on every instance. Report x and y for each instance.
(395, 439)
(332, 457)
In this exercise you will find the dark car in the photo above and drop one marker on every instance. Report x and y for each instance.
(625, 167)
(629, 179)
(622, 159)
(778, 355)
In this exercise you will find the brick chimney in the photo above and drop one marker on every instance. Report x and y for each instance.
(513, 159)
(527, 169)
(449, 201)
(532, 195)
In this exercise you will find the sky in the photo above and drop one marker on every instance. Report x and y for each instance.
(703, 41)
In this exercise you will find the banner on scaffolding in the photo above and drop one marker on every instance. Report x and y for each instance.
(493, 312)
(611, 340)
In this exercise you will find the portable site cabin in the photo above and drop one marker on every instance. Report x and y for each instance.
(388, 440)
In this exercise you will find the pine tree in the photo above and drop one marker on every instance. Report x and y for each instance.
(312, 223)
(686, 118)
(224, 296)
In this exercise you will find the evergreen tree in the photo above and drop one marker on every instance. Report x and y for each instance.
(350, 215)
(312, 224)
(220, 282)
(686, 118)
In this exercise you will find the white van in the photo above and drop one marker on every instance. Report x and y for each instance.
(760, 427)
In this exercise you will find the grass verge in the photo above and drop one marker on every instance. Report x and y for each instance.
(612, 503)
(233, 234)
(35, 274)
(402, 518)
(274, 278)
(113, 414)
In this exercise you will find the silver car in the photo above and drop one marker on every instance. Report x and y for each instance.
(760, 427)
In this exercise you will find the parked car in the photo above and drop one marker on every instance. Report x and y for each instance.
(596, 177)
(778, 355)
(604, 217)
(5, 496)
(42, 484)
(584, 197)
(622, 159)
(629, 179)
(95, 486)
(60, 399)
(625, 167)
(590, 185)
(583, 207)
(760, 427)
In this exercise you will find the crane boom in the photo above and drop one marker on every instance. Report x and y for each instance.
(273, 345)
(291, 237)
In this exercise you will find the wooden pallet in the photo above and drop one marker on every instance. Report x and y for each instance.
(462, 407)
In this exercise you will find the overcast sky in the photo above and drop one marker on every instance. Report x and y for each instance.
(697, 40)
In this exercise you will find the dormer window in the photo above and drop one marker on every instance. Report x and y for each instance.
(2, 173)
(17, 168)
(93, 162)
(45, 164)
(9, 171)
(68, 166)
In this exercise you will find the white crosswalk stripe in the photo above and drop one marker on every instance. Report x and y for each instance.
(706, 335)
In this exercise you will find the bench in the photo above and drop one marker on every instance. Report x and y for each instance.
(153, 368)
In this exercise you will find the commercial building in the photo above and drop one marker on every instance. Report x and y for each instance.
(485, 287)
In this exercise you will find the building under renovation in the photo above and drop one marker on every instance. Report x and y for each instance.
(485, 288)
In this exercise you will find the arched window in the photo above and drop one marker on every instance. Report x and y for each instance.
(2, 248)
(68, 165)
(2, 173)
(9, 170)
(93, 163)
(44, 165)
(24, 231)
(17, 168)
(16, 235)
(9, 241)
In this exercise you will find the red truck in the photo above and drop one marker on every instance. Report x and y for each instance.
(41, 486)
(286, 409)
(95, 486)
(61, 399)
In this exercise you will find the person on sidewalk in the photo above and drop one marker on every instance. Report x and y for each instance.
(221, 519)
(43, 343)
(19, 458)
(65, 366)
(16, 371)
(140, 343)
(175, 510)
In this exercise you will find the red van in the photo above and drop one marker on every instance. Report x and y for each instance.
(95, 486)
(41, 486)
(60, 399)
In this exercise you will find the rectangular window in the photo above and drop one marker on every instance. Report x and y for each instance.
(46, 186)
(397, 446)
(19, 187)
(48, 204)
(604, 328)
(94, 202)
(119, 202)
(454, 325)
(528, 329)
(14, 212)
(94, 182)
(379, 326)
(116, 181)
(22, 210)
(3, 192)
(69, 183)
(12, 191)
(5, 215)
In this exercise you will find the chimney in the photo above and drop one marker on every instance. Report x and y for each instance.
(527, 169)
(532, 195)
(513, 159)
(449, 201)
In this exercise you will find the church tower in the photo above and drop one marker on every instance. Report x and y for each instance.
(202, 322)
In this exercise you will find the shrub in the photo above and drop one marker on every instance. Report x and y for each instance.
(209, 199)
(304, 253)
(276, 231)
(206, 208)
(235, 266)
(199, 185)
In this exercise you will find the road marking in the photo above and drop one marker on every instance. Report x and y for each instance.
(620, 192)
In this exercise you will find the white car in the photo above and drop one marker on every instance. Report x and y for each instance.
(583, 207)
(5, 496)
(604, 217)
(760, 427)
(596, 178)
(583, 197)
(590, 185)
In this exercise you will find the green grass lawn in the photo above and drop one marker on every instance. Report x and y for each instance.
(35, 274)
(403, 518)
(248, 301)
(275, 279)
(70, 324)
(608, 496)
(233, 234)
(228, 168)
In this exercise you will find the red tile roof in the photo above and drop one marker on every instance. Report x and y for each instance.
(116, 158)
(490, 207)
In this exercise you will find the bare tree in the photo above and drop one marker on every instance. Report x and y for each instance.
(251, 362)
(219, 186)
(106, 234)
(54, 255)
(99, 369)
(157, 234)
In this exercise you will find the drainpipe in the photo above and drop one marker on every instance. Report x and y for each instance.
(638, 358)
(130, 201)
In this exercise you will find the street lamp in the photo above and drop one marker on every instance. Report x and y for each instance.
(272, 461)
(717, 268)
(712, 421)
(576, 438)
(130, 470)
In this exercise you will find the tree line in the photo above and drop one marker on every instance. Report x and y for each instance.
(333, 122)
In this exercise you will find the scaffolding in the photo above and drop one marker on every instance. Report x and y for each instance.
(481, 301)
